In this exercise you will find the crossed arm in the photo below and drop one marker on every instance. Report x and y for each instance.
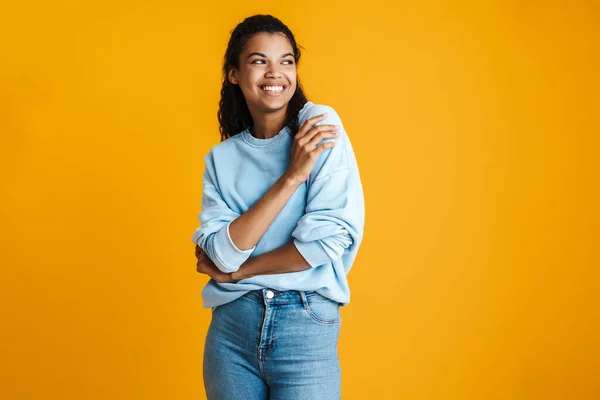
(246, 230)
(332, 220)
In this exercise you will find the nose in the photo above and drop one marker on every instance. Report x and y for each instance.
(273, 71)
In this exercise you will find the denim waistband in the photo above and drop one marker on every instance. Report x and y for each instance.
(286, 296)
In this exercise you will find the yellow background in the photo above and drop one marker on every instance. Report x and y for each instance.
(475, 127)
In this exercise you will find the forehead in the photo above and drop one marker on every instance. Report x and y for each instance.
(271, 44)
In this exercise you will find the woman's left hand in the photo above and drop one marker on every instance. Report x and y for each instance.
(206, 266)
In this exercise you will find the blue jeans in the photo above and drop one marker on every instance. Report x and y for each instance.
(277, 345)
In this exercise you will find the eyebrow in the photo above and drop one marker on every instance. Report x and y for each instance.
(265, 56)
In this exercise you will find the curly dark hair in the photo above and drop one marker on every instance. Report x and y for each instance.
(233, 114)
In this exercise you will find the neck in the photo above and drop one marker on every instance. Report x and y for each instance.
(267, 125)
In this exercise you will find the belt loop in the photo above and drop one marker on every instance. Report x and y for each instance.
(303, 296)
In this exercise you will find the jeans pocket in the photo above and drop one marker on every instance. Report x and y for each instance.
(321, 309)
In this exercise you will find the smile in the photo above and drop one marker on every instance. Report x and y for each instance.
(273, 90)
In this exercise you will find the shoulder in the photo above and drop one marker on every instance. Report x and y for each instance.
(311, 110)
(223, 149)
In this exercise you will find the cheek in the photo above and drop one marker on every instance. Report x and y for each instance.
(248, 86)
(247, 79)
(292, 79)
(294, 86)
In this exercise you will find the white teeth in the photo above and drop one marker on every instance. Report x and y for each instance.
(273, 88)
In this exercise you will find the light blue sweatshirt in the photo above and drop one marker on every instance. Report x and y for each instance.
(324, 217)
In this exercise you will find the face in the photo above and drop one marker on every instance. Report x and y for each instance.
(267, 72)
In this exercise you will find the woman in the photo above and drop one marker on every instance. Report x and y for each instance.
(281, 223)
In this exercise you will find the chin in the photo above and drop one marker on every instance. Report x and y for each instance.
(274, 105)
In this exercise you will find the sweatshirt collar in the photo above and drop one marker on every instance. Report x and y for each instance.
(256, 142)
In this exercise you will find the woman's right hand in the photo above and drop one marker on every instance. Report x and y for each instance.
(305, 150)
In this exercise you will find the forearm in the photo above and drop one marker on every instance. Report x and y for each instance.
(249, 228)
(281, 260)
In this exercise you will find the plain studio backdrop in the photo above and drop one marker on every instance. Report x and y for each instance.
(475, 126)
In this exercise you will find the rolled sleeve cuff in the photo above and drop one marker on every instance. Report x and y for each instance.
(229, 257)
(312, 252)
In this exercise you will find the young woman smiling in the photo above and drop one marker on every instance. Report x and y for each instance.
(281, 223)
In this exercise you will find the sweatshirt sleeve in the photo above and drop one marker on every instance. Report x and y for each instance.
(213, 233)
(334, 217)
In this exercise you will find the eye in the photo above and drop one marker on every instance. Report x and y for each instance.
(256, 61)
(290, 62)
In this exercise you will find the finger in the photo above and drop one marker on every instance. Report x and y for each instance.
(200, 267)
(322, 148)
(309, 123)
(319, 137)
(315, 131)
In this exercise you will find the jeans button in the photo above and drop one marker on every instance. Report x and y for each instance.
(270, 294)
